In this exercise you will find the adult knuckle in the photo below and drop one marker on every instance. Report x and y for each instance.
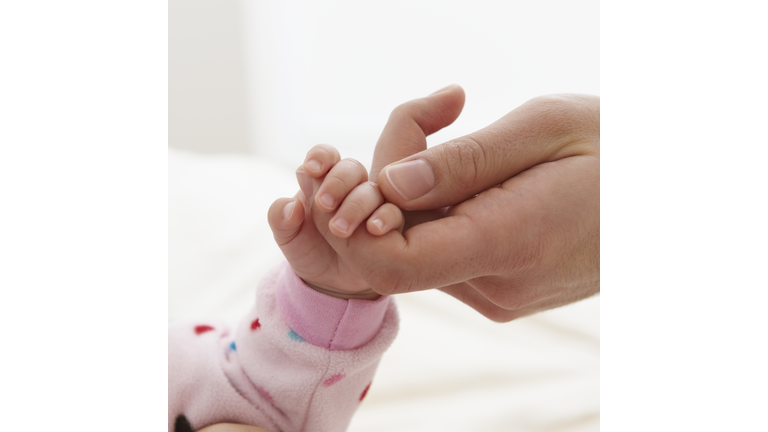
(515, 300)
(388, 279)
(465, 160)
(565, 113)
(497, 314)
(382, 280)
(554, 103)
(506, 296)
(528, 258)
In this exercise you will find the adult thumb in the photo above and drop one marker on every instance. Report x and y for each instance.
(544, 129)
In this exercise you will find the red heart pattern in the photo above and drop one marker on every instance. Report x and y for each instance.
(202, 329)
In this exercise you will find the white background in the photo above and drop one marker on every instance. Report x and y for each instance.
(332, 71)
(275, 78)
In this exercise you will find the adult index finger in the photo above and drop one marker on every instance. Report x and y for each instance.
(542, 130)
(409, 125)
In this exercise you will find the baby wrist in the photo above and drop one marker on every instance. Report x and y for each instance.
(368, 294)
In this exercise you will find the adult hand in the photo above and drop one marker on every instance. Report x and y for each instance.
(531, 244)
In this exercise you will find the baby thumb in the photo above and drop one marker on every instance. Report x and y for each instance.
(285, 218)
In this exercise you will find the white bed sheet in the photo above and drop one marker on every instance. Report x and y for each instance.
(449, 370)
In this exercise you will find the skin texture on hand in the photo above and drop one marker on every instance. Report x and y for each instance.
(506, 219)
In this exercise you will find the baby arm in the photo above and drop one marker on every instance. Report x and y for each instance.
(305, 355)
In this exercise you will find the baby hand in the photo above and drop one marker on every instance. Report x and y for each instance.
(335, 196)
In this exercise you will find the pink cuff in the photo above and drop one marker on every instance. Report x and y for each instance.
(326, 321)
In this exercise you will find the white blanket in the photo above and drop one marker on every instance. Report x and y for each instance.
(450, 368)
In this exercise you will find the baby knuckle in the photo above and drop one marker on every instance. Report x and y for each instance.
(322, 150)
(372, 188)
(354, 208)
(370, 194)
(357, 169)
(393, 211)
(345, 176)
(354, 163)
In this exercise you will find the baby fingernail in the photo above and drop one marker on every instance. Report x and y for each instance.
(411, 179)
(379, 223)
(341, 224)
(313, 165)
(305, 183)
(288, 209)
(327, 201)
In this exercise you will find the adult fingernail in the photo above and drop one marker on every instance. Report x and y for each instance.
(446, 88)
(288, 210)
(305, 183)
(341, 224)
(411, 179)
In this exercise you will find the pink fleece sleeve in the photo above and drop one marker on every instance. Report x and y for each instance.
(299, 361)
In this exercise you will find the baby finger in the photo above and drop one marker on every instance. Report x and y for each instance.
(355, 208)
(320, 159)
(386, 218)
(342, 178)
